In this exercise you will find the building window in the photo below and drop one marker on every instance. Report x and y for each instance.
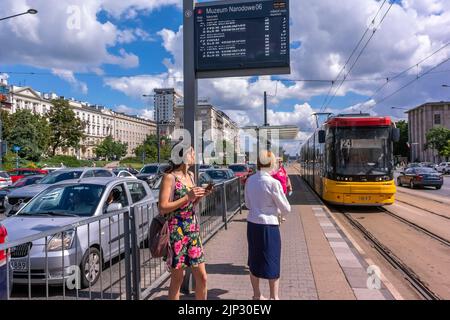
(437, 119)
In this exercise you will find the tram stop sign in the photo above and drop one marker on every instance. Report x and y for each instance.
(242, 38)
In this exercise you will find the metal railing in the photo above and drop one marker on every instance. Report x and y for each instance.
(111, 249)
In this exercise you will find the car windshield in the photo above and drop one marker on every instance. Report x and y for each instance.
(217, 174)
(363, 151)
(4, 175)
(69, 200)
(425, 170)
(149, 169)
(238, 168)
(58, 176)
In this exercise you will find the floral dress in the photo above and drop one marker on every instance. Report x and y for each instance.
(186, 246)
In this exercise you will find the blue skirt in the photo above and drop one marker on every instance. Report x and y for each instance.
(264, 250)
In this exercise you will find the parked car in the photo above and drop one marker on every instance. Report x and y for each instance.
(123, 174)
(444, 167)
(5, 179)
(151, 172)
(420, 177)
(17, 174)
(413, 165)
(19, 197)
(51, 169)
(68, 203)
(220, 175)
(18, 184)
(203, 179)
(3, 267)
(205, 167)
(253, 168)
(129, 169)
(241, 171)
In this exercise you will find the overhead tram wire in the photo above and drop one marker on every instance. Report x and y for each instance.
(350, 57)
(411, 82)
(402, 73)
(360, 53)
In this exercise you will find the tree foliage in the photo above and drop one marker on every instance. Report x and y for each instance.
(28, 131)
(437, 139)
(149, 149)
(401, 147)
(66, 129)
(110, 149)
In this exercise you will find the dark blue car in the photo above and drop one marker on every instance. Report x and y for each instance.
(3, 267)
(18, 184)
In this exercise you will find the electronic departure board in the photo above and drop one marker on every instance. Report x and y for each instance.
(236, 38)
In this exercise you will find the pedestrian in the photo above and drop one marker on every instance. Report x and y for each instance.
(177, 200)
(265, 199)
(281, 175)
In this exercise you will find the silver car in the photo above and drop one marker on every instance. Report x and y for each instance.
(86, 247)
(19, 197)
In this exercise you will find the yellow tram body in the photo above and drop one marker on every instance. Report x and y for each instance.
(349, 161)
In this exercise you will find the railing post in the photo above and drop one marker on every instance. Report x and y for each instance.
(135, 256)
(224, 206)
(126, 241)
(240, 196)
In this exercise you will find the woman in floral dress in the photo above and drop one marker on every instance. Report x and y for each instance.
(177, 199)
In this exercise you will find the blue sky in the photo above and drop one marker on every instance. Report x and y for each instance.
(120, 50)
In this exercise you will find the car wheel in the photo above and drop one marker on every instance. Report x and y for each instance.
(399, 183)
(438, 187)
(91, 266)
(411, 185)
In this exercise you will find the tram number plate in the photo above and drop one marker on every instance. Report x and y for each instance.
(365, 198)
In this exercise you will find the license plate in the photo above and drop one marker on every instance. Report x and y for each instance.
(365, 198)
(19, 266)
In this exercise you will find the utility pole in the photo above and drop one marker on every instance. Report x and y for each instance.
(156, 110)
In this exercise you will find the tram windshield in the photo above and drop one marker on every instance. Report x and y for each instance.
(363, 151)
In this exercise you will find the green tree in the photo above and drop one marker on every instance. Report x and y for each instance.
(66, 129)
(437, 139)
(110, 149)
(149, 149)
(446, 151)
(6, 124)
(30, 132)
(401, 147)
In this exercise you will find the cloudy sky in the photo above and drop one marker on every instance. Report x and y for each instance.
(110, 52)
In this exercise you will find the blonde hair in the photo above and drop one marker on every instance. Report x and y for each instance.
(267, 160)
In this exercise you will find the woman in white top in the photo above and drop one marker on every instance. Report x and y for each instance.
(265, 200)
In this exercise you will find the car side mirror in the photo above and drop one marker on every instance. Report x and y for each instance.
(396, 134)
(322, 136)
(114, 207)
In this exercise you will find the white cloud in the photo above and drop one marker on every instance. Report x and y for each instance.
(68, 76)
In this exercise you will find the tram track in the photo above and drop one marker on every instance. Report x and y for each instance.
(416, 226)
(425, 209)
(416, 282)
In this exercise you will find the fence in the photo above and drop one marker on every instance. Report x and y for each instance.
(110, 250)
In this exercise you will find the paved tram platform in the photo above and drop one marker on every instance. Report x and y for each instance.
(318, 261)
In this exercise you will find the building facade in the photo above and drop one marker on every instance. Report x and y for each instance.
(165, 102)
(421, 120)
(100, 122)
(216, 127)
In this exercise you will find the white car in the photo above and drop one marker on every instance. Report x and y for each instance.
(444, 167)
(5, 179)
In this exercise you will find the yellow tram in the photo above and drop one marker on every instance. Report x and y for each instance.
(349, 160)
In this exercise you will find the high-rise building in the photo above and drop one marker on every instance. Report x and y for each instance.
(165, 102)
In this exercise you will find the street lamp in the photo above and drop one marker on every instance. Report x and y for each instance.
(29, 11)
(399, 108)
(445, 86)
(157, 125)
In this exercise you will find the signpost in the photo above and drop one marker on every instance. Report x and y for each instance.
(230, 38)
(242, 38)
